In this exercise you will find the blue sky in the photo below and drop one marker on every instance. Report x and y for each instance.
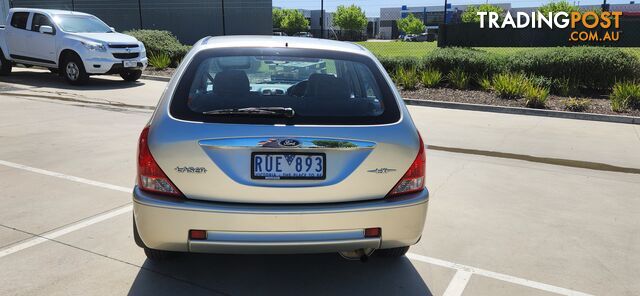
(372, 7)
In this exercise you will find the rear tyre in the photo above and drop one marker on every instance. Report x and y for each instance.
(136, 235)
(393, 252)
(73, 70)
(156, 255)
(131, 75)
(5, 66)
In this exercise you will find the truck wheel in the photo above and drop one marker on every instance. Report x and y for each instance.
(131, 75)
(393, 252)
(73, 71)
(5, 66)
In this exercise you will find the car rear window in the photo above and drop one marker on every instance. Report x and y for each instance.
(321, 87)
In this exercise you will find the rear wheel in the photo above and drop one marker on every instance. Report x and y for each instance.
(73, 70)
(156, 255)
(131, 75)
(393, 252)
(5, 66)
(152, 254)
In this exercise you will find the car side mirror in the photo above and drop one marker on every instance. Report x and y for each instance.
(46, 30)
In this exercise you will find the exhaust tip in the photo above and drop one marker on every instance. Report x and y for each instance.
(360, 254)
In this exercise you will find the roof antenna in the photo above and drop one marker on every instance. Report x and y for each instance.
(286, 44)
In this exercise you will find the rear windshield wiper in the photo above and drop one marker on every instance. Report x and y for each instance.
(271, 111)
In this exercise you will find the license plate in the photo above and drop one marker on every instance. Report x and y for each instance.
(130, 64)
(288, 166)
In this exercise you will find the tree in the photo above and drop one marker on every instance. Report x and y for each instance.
(411, 25)
(470, 15)
(350, 18)
(293, 22)
(277, 16)
(558, 6)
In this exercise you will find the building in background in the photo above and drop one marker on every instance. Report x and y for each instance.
(373, 27)
(632, 8)
(189, 20)
(314, 16)
(431, 16)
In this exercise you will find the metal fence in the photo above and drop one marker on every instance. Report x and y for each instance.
(189, 20)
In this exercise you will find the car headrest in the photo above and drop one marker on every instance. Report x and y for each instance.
(231, 82)
(327, 87)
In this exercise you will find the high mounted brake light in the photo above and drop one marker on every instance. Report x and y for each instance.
(413, 179)
(151, 178)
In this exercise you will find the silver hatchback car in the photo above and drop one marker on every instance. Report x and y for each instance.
(264, 145)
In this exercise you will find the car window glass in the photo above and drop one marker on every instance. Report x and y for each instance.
(81, 24)
(19, 20)
(321, 86)
(311, 86)
(40, 20)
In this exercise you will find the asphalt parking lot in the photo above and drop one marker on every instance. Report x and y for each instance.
(520, 205)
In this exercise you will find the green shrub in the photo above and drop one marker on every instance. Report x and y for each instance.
(541, 81)
(431, 78)
(511, 85)
(474, 62)
(392, 64)
(536, 96)
(159, 61)
(485, 83)
(625, 95)
(458, 78)
(576, 105)
(589, 68)
(161, 42)
(407, 78)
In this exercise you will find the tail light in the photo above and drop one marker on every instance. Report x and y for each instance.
(413, 179)
(150, 177)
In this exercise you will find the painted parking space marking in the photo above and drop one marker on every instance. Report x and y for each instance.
(496, 275)
(62, 231)
(455, 288)
(66, 177)
(458, 283)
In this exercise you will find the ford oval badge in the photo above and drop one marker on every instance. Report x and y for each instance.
(289, 143)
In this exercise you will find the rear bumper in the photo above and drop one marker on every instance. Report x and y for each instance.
(163, 223)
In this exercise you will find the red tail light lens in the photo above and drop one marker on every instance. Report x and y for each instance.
(373, 232)
(197, 234)
(150, 177)
(413, 179)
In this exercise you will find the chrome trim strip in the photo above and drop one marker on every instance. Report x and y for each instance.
(294, 247)
(270, 143)
(281, 237)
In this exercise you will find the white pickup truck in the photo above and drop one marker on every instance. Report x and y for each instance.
(73, 44)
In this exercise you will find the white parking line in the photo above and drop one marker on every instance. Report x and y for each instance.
(455, 288)
(62, 231)
(458, 283)
(497, 276)
(66, 177)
